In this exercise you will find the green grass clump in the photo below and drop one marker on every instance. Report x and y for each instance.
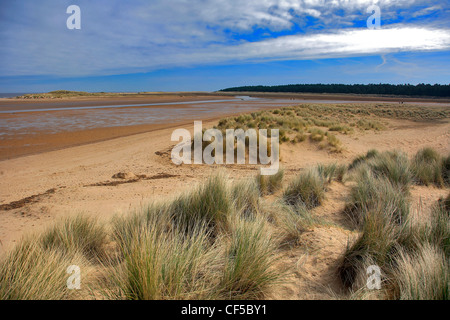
(31, 272)
(341, 128)
(375, 244)
(299, 137)
(332, 172)
(334, 142)
(394, 166)
(427, 167)
(412, 255)
(316, 135)
(446, 170)
(246, 197)
(164, 264)
(376, 195)
(293, 222)
(308, 189)
(209, 204)
(363, 158)
(126, 228)
(270, 184)
(365, 124)
(76, 234)
(438, 230)
(249, 271)
(422, 275)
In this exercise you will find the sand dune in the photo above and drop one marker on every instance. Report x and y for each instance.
(38, 189)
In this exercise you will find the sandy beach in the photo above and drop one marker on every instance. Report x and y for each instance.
(82, 158)
(189, 151)
(73, 173)
(67, 123)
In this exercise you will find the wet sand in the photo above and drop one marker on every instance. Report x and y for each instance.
(27, 133)
(23, 104)
(40, 189)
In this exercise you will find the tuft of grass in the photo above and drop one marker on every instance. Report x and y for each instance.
(375, 244)
(340, 173)
(394, 166)
(299, 137)
(160, 264)
(126, 228)
(365, 124)
(209, 203)
(422, 275)
(376, 195)
(245, 196)
(77, 234)
(293, 221)
(332, 172)
(308, 189)
(250, 257)
(30, 272)
(438, 230)
(446, 203)
(334, 142)
(316, 135)
(427, 167)
(413, 256)
(363, 159)
(341, 128)
(446, 170)
(270, 184)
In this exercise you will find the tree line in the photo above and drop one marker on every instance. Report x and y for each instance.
(436, 90)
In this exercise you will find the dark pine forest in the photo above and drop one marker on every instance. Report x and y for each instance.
(436, 90)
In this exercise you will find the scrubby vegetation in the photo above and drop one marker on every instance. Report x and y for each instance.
(307, 189)
(223, 239)
(428, 167)
(413, 256)
(316, 122)
(56, 95)
(270, 184)
(59, 94)
(325, 124)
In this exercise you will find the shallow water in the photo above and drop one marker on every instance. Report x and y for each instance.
(52, 120)
(75, 118)
(124, 105)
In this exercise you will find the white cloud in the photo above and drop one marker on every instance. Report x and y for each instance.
(426, 11)
(141, 35)
(343, 43)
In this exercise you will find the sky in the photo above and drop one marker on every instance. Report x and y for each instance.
(208, 45)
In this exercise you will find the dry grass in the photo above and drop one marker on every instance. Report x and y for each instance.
(249, 258)
(31, 272)
(422, 275)
(428, 167)
(412, 255)
(77, 234)
(223, 240)
(163, 256)
(307, 189)
(270, 184)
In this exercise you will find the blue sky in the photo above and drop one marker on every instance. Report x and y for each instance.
(207, 45)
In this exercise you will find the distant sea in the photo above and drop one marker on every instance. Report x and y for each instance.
(10, 95)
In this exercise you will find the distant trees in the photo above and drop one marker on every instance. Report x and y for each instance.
(436, 90)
